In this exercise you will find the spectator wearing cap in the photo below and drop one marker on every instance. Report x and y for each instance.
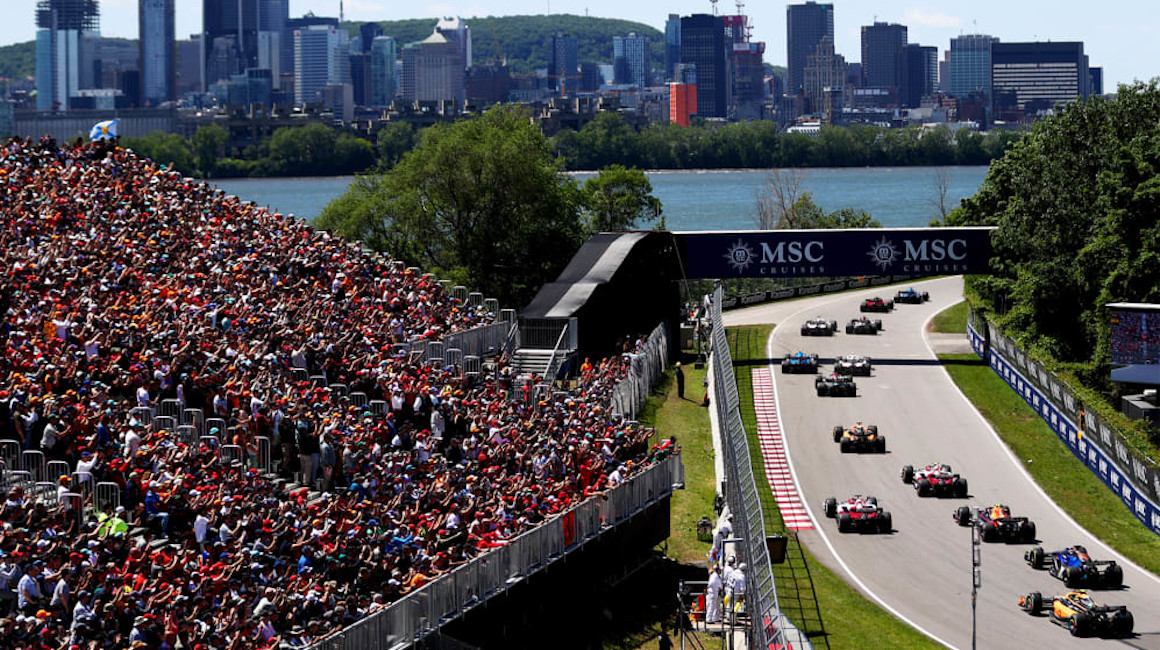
(83, 614)
(28, 596)
(9, 575)
(155, 509)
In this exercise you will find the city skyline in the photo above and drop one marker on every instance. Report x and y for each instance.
(1121, 37)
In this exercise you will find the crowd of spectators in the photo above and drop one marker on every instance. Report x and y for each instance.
(1135, 337)
(126, 285)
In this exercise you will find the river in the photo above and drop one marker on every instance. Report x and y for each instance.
(703, 200)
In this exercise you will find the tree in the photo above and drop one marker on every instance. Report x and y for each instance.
(807, 215)
(620, 199)
(777, 198)
(164, 149)
(209, 144)
(940, 188)
(394, 140)
(480, 201)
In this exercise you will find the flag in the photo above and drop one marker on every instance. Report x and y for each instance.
(106, 130)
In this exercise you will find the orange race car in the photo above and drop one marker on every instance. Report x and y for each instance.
(1081, 615)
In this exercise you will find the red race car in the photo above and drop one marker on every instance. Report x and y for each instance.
(877, 304)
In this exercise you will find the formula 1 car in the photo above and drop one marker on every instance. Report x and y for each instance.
(853, 364)
(859, 513)
(863, 325)
(835, 385)
(935, 479)
(800, 362)
(911, 296)
(819, 326)
(1076, 568)
(1081, 615)
(876, 304)
(996, 523)
(860, 438)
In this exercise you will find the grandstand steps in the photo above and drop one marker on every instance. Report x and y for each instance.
(528, 361)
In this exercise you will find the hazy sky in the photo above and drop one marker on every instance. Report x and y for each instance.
(1123, 36)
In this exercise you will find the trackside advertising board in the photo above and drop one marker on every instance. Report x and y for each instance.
(833, 253)
(1135, 480)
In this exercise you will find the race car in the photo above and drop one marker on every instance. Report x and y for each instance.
(876, 304)
(1081, 615)
(863, 325)
(800, 362)
(835, 385)
(996, 524)
(819, 326)
(860, 438)
(853, 364)
(936, 479)
(1076, 568)
(859, 513)
(911, 296)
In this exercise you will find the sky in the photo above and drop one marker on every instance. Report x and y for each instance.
(1122, 36)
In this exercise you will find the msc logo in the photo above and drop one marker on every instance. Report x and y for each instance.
(884, 253)
(740, 256)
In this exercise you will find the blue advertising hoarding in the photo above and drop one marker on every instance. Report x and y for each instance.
(834, 253)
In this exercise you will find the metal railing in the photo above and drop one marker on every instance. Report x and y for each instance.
(543, 333)
(741, 493)
(423, 611)
(647, 367)
(483, 341)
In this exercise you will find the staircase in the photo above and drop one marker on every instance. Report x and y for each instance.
(528, 361)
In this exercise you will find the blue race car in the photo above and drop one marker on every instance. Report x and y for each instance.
(800, 362)
(911, 296)
(1076, 568)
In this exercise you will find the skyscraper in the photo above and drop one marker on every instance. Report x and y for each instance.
(64, 60)
(1028, 78)
(806, 25)
(703, 46)
(433, 71)
(881, 54)
(384, 54)
(823, 76)
(918, 74)
(971, 65)
(672, 44)
(630, 60)
(158, 44)
(229, 38)
(563, 63)
(458, 33)
(321, 59)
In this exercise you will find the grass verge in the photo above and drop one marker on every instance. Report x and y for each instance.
(1061, 475)
(952, 320)
(807, 590)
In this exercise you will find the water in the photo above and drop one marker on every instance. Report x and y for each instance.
(702, 200)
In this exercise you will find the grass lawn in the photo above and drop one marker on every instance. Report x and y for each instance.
(1061, 475)
(814, 598)
(952, 320)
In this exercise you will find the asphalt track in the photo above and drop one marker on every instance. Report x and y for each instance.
(921, 572)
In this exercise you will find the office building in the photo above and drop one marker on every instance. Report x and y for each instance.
(971, 65)
(563, 62)
(682, 103)
(919, 74)
(703, 46)
(229, 38)
(457, 32)
(672, 44)
(189, 65)
(384, 55)
(630, 60)
(1032, 78)
(158, 42)
(433, 71)
(882, 54)
(1096, 81)
(825, 71)
(66, 39)
(806, 25)
(321, 59)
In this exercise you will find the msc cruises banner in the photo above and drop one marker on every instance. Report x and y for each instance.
(832, 253)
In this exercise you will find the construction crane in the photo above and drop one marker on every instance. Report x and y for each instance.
(498, 52)
(564, 81)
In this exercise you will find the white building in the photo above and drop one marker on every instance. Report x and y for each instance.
(321, 59)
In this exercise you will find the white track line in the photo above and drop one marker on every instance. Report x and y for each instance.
(1019, 465)
(821, 532)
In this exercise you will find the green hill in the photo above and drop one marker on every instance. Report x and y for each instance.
(18, 60)
(523, 40)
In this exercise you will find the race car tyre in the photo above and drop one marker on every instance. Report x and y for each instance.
(925, 296)
(1072, 577)
(959, 488)
(873, 428)
(1027, 531)
(838, 433)
(963, 516)
(1113, 577)
(851, 391)
(845, 523)
(1032, 602)
(907, 474)
(877, 325)
(846, 446)
(880, 445)
(885, 523)
(990, 533)
(805, 332)
(890, 304)
(830, 507)
(821, 391)
(849, 329)
(833, 326)
(784, 367)
(924, 488)
(863, 309)
(1080, 624)
(1122, 623)
(1034, 557)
